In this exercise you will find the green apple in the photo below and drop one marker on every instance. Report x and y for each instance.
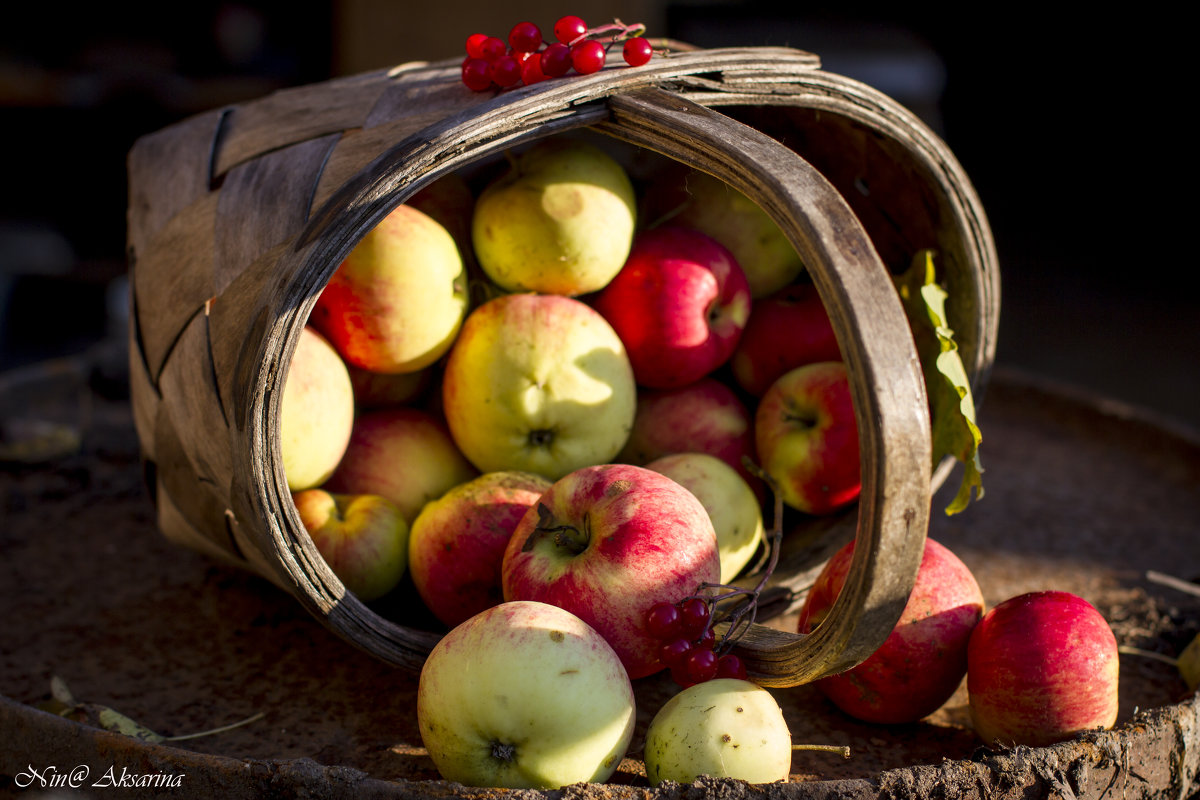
(316, 412)
(724, 728)
(525, 695)
(363, 538)
(731, 504)
(699, 200)
(538, 383)
(560, 221)
(397, 301)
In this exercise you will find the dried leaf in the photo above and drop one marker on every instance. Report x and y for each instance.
(116, 721)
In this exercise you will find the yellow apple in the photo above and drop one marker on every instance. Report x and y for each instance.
(397, 301)
(316, 412)
(538, 383)
(730, 502)
(561, 221)
(363, 538)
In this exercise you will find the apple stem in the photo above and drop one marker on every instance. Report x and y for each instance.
(568, 537)
(828, 748)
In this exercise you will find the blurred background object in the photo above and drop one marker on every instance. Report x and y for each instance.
(1058, 121)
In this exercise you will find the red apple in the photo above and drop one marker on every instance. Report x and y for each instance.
(1042, 667)
(363, 538)
(679, 304)
(807, 438)
(702, 417)
(787, 329)
(922, 662)
(607, 543)
(404, 454)
(457, 542)
(380, 390)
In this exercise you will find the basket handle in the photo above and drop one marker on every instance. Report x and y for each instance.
(876, 342)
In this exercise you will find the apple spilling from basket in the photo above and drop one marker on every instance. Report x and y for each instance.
(543, 405)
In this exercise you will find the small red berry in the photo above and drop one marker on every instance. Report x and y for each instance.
(588, 56)
(637, 51)
(531, 71)
(506, 71)
(556, 60)
(673, 652)
(569, 28)
(475, 44)
(493, 47)
(663, 621)
(525, 37)
(730, 666)
(476, 74)
(694, 613)
(707, 639)
(699, 665)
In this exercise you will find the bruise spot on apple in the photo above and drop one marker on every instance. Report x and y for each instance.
(618, 487)
(557, 636)
(569, 672)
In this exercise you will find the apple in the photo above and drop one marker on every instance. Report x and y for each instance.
(404, 454)
(448, 200)
(607, 543)
(538, 383)
(923, 660)
(560, 221)
(396, 303)
(723, 728)
(787, 329)
(363, 538)
(807, 438)
(702, 417)
(379, 390)
(679, 304)
(695, 199)
(524, 696)
(316, 412)
(1041, 667)
(731, 504)
(457, 542)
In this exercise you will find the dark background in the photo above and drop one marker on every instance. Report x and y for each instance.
(1072, 129)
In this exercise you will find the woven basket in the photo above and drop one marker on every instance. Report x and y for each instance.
(238, 217)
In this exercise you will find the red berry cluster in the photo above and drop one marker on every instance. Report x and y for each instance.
(526, 58)
(689, 642)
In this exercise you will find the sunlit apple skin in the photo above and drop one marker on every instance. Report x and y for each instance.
(363, 538)
(606, 543)
(1042, 667)
(404, 454)
(695, 199)
(679, 304)
(525, 696)
(396, 302)
(316, 412)
(923, 661)
(457, 542)
(702, 417)
(807, 438)
(538, 383)
(731, 504)
(559, 222)
(787, 329)
(723, 728)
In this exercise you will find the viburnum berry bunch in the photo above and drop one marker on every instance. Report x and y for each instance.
(527, 58)
(691, 648)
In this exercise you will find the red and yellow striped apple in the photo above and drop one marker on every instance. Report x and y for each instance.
(457, 542)
(606, 543)
(363, 538)
(923, 660)
(1042, 667)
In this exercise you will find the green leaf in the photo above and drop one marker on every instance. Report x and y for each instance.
(952, 408)
(116, 721)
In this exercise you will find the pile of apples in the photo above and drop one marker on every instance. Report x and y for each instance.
(538, 403)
